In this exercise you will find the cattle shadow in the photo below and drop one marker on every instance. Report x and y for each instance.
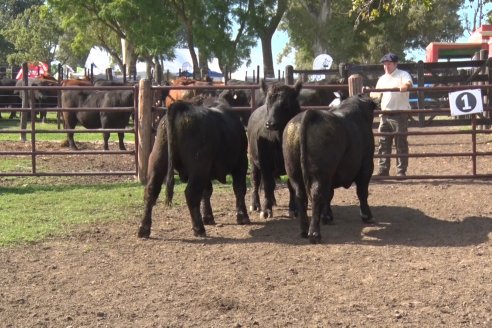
(395, 226)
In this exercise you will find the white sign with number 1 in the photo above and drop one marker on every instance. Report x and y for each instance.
(465, 102)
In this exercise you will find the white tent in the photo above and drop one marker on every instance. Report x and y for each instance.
(101, 60)
(182, 61)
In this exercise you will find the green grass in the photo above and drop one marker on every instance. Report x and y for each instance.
(15, 165)
(31, 211)
(35, 208)
(52, 125)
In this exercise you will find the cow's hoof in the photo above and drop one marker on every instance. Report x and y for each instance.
(266, 214)
(208, 220)
(327, 219)
(144, 232)
(315, 238)
(368, 220)
(254, 208)
(242, 218)
(200, 233)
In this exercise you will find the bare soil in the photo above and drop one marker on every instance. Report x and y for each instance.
(427, 262)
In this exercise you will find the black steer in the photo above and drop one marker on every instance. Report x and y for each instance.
(201, 144)
(8, 98)
(324, 150)
(238, 98)
(105, 119)
(309, 97)
(43, 98)
(264, 130)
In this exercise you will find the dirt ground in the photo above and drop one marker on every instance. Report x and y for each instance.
(427, 262)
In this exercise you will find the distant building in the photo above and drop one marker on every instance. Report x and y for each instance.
(479, 40)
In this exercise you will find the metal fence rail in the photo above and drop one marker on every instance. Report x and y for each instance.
(469, 126)
(35, 153)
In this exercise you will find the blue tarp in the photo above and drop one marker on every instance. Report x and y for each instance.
(185, 73)
(213, 74)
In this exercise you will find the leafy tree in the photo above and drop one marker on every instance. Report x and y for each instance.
(9, 10)
(232, 39)
(218, 29)
(111, 25)
(64, 53)
(334, 29)
(316, 27)
(369, 10)
(264, 18)
(189, 14)
(34, 34)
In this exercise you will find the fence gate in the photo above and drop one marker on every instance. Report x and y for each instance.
(31, 151)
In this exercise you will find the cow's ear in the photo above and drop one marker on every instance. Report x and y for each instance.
(298, 86)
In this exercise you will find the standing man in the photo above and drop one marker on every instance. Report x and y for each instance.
(393, 78)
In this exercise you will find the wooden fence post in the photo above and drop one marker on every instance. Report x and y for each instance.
(144, 128)
(25, 101)
(420, 94)
(109, 74)
(488, 92)
(355, 84)
(158, 73)
(289, 75)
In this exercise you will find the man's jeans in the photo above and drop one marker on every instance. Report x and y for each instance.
(393, 123)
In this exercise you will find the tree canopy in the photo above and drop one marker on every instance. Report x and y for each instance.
(34, 34)
(362, 35)
(9, 10)
(349, 30)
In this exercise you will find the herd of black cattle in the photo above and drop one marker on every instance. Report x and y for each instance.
(319, 150)
(204, 140)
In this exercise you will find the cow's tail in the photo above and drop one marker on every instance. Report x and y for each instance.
(305, 122)
(172, 111)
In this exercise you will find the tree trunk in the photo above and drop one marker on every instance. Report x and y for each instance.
(191, 48)
(320, 15)
(265, 31)
(266, 46)
(148, 68)
(129, 57)
(203, 62)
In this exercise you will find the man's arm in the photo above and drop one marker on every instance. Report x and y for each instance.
(405, 86)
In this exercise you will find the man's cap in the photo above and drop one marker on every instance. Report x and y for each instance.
(389, 57)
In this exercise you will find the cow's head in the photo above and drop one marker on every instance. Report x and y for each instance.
(282, 105)
(236, 97)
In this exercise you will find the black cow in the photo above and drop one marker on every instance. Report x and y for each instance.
(44, 98)
(310, 97)
(238, 98)
(324, 150)
(265, 127)
(8, 98)
(92, 119)
(201, 144)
